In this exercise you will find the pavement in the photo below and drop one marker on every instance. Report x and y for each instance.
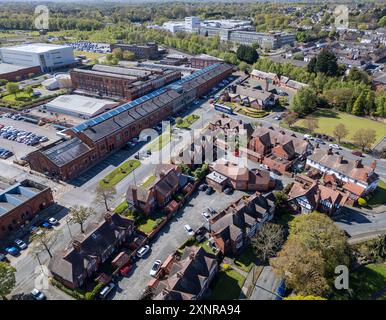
(266, 285)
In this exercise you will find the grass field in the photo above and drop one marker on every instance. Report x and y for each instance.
(188, 121)
(20, 96)
(119, 173)
(228, 285)
(149, 180)
(89, 55)
(329, 119)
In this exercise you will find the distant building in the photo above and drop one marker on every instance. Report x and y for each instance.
(20, 203)
(203, 60)
(79, 106)
(192, 24)
(73, 266)
(174, 26)
(49, 57)
(147, 51)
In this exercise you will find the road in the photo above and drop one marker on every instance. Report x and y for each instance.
(266, 285)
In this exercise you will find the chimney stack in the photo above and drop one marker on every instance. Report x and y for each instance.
(373, 165)
(135, 195)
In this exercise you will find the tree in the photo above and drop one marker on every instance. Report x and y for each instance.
(79, 214)
(340, 131)
(243, 66)
(179, 121)
(311, 124)
(290, 118)
(3, 82)
(298, 297)
(380, 104)
(325, 62)
(117, 53)
(45, 242)
(364, 138)
(304, 102)
(247, 54)
(302, 269)
(28, 90)
(357, 75)
(358, 106)
(128, 55)
(7, 279)
(267, 241)
(318, 232)
(105, 194)
(12, 88)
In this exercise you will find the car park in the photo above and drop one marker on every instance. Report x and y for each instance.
(37, 294)
(189, 230)
(21, 136)
(21, 244)
(205, 215)
(156, 266)
(106, 290)
(142, 251)
(334, 146)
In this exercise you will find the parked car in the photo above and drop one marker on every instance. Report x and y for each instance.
(357, 153)
(38, 295)
(53, 221)
(125, 270)
(46, 225)
(189, 230)
(206, 215)
(13, 251)
(142, 251)
(277, 118)
(21, 244)
(154, 269)
(209, 191)
(2, 257)
(211, 210)
(203, 187)
(228, 190)
(106, 290)
(308, 137)
(318, 140)
(334, 146)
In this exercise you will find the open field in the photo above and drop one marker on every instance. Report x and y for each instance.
(329, 119)
(89, 55)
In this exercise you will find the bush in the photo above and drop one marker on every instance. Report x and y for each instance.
(226, 267)
(362, 202)
(71, 292)
(91, 294)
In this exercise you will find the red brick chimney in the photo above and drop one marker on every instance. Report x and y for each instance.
(135, 195)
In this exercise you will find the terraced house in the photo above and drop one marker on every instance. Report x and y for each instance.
(89, 142)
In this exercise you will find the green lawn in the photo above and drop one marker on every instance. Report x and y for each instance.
(379, 195)
(188, 121)
(228, 285)
(252, 113)
(20, 96)
(329, 119)
(147, 223)
(119, 173)
(246, 260)
(149, 180)
(368, 280)
(89, 55)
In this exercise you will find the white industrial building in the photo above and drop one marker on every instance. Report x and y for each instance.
(192, 24)
(48, 56)
(79, 106)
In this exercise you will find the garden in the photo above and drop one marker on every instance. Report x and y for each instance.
(187, 121)
(119, 173)
(227, 285)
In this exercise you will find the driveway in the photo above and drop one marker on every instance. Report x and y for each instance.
(266, 285)
(169, 239)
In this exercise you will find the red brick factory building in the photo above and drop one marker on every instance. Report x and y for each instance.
(93, 140)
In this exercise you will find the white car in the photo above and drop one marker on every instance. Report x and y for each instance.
(53, 221)
(142, 251)
(189, 230)
(21, 244)
(205, 215)
(154, 269)
(38, 295)
(106, 290)
(334, 146)
(308, 137)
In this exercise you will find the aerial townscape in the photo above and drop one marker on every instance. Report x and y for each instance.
(193, 150)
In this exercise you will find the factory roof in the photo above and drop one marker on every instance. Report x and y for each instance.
(38, 47)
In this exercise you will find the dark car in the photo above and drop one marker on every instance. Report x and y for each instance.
(209, 191)
(357, 153)
(228, 190)
(203, 187)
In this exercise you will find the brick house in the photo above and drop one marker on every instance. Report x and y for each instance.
(147, 51)
(253, 98)
(159, 195)
(22, 202)
(187, 278)
(226, 174)
(277, 149)
(203, 60)
(307, 195)
(232, 228)
(73, 265)
(355, 178)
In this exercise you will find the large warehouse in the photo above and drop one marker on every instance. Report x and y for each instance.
(48, 56)
(98, 137)
(79, 106)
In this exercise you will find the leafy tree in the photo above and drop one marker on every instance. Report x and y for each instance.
(302, 268)
(291, 118)
(358, 106)
(179, 120)
(304, 102)
(117, 53)
(298, 297)
(7, 279)
(325, 62)
(358, 75)
(45, 242)
(128, 55)
(267, 241)
(243, 66)
(380, 104)
(382, 22)
(247, 54)
(340, 131)
(105, 194)
(311, 124)
(3, 82)
(28, 90)
(12, 88)
(364, 138)
(79, 214)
